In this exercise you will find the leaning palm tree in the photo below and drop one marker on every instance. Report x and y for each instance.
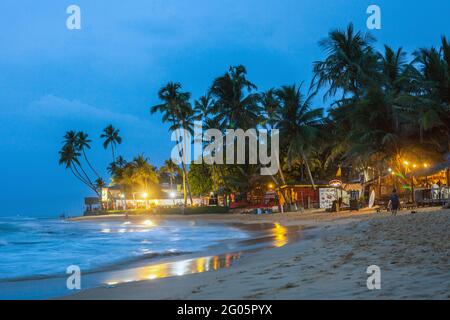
(177, 111)
(69, 156)
(82, 143)
(112, 138)
(71, 141)
(297, 124)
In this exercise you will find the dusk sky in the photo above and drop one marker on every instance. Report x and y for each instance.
(53, 79)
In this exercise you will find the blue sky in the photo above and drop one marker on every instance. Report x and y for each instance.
(53, 79)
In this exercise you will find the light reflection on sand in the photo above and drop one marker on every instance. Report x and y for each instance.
(176, 268)
(279, 236)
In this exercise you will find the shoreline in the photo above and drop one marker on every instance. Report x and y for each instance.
(218, 255)
(329, 266)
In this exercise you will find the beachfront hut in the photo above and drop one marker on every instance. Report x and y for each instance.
(432, 184)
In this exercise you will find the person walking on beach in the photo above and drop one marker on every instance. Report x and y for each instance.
(394, 202)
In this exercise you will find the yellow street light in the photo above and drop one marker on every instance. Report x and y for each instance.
(144, 195)
(405, 163)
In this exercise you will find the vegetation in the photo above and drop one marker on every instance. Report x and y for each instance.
(382, 107)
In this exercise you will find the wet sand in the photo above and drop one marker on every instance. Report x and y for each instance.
(412, 251)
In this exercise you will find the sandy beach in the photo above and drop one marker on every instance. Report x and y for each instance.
(411, 249)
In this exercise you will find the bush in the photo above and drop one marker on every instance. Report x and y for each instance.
(192, 210)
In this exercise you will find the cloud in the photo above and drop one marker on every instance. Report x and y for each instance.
(50, 106)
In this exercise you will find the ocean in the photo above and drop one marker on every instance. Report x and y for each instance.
(38, 248)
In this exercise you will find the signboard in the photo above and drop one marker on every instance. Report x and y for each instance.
(326, 197)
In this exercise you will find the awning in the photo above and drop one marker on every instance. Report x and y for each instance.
(431, 170)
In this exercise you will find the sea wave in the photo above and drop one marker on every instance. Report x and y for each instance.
(107, 267)
(33, 249)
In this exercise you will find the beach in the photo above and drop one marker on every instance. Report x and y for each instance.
(329, 261)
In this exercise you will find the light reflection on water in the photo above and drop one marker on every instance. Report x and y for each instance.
(177, 268)
(278, 234)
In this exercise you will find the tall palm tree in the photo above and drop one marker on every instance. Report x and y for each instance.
(236, 105)
(71, 140)
(112, 138)
(297, 124)
(177, 110)
(68, 156)
(349, 64)
(271, 105)
(82, 143)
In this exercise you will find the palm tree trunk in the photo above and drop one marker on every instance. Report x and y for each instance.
(89, 164)
(184, 186)
(86, 175)
(184, 164)
(113, 153)
(182, 167)
(280, 170)
(308, 170)
(79, 177)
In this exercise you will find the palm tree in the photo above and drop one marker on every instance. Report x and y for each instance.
(171, 170)
(432, 92)
(116, 166)
(271, 105)
(144, 173)
(177, 110)
(297, 124)
(235, 103)
(68, 156)
(100, 184)
(203, 107)
(112, 138)
(71, 140)
(82, 143)
(349, 64)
